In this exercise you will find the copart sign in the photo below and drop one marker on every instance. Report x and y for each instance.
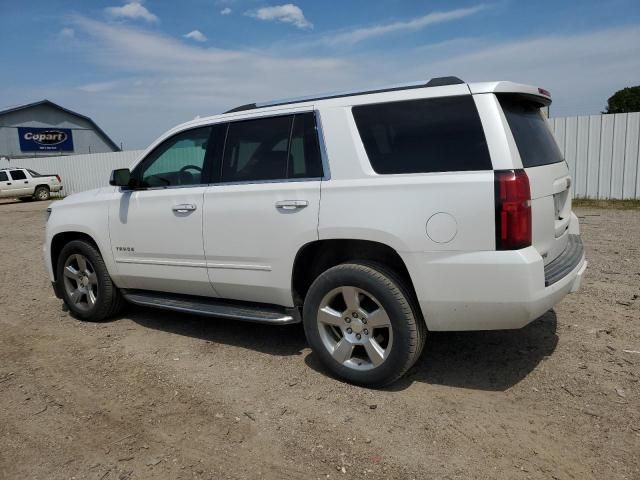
(45, 139)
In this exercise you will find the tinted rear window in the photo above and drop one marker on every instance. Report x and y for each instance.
(257, 149)
(534, 139)
(272, 148)
(420, 136)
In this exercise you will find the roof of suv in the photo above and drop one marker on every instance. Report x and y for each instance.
(483, 87)
(434, 82)
(538, 94)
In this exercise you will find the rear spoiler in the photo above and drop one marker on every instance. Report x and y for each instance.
(537, 94)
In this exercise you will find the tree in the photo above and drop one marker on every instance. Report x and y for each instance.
(624, 101)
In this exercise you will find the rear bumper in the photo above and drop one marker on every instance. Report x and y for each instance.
(566, 262)
(56, 188)
(492, 290)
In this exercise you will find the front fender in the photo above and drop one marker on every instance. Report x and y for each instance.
(87, 214)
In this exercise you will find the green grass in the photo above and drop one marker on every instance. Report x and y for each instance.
(609, 204)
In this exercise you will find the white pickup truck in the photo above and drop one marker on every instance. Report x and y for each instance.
(26, 184)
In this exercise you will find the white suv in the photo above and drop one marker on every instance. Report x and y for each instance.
(372, 217)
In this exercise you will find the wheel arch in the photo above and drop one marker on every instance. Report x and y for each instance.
(58, 242)
(316, 257)
(41, 187)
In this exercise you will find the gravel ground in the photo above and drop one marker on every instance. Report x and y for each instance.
(164, 395)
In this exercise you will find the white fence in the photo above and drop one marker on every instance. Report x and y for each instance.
(602, 151)
(78, 172)
(603, 154)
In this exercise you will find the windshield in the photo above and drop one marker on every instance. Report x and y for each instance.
(33, 174)
(534, 139)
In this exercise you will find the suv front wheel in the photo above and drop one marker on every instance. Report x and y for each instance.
(85, 284)
(362, 322)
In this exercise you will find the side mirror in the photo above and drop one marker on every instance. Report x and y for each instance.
(120, 177)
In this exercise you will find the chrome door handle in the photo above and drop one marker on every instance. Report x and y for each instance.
(184, 208)
(291, 204)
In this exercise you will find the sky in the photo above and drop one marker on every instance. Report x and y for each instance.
(139, 68)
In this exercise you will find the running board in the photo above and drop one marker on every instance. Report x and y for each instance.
(213, 307)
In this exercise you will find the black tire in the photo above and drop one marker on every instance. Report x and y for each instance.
(109, 300)
(407, 324)
(42, 193)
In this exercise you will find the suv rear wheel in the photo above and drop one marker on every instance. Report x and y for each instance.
(363, 324)
(85, 284)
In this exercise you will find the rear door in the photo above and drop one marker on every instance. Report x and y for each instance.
(548, 173)
(263, 207)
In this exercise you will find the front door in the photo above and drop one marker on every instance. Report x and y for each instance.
(19, 184)
(156, 228)
(5, 184)
(263, 208)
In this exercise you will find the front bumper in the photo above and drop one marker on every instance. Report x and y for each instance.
(49, 267)
(56, 290)
(46, 253)
(491, 290)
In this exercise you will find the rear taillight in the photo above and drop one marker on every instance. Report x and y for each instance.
(513, 210)
(58, 177)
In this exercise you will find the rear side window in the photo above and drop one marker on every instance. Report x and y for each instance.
(257, 150)
(3, 177)
(18, 175)
(421, 136)
(534, 139)
(304, 152)
(275, 148)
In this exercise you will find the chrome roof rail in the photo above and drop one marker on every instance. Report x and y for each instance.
(434, 82)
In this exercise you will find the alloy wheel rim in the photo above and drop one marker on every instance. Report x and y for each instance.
(80, 282)
(354, 327)
(42, 195)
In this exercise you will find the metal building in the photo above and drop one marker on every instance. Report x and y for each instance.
(44, 128)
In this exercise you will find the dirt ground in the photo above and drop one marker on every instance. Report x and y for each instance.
(165, 395)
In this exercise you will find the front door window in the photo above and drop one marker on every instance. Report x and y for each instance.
(177, 162)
